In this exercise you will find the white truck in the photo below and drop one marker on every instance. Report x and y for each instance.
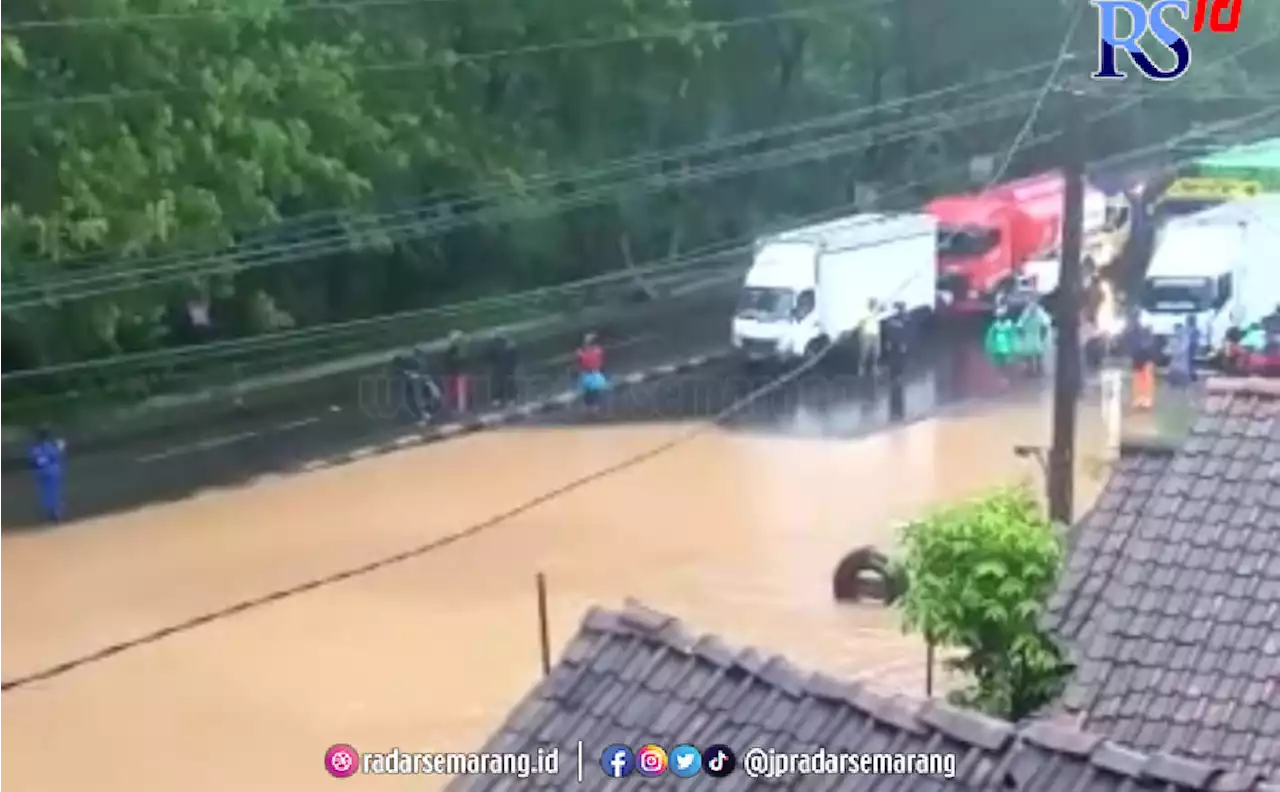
(1218, 265)
(811, 287)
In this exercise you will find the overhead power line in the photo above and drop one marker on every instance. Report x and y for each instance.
(433, 204)
(435, 219)
(276, 341)
(418, 228)
(715, 252)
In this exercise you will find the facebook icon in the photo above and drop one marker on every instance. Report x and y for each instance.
(1141, 19)
(617, 761)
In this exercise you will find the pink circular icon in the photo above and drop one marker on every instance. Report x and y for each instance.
(342, 760)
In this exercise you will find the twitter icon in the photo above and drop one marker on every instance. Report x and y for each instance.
(686, 761)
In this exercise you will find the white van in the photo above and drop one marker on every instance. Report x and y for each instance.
(810, 287)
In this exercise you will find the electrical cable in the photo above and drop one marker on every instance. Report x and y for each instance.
(549, 181)
(58, 669)
(419, 228)
(1064, 55)
(683, 262)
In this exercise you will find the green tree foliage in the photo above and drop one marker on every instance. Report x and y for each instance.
(349, 140)
(978, 574)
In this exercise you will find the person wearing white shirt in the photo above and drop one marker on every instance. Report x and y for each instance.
(869, 340)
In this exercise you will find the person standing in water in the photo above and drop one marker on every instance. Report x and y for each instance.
(591, 379)
(1033, 327)
(1000, 340)
(455, 372)
(48, 456)
(503, 360)
(869, 341)
(1181, 355)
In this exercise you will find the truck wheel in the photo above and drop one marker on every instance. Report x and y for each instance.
(816, 347)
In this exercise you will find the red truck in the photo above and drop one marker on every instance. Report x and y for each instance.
(1008, 237)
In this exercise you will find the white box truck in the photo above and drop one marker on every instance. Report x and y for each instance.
(810, 287)
(1217, 265)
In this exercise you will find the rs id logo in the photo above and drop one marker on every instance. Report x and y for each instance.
(1223, 17)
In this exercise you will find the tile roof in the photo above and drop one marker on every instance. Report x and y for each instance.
(637, 676)
(1170, 601)
(1098, 538)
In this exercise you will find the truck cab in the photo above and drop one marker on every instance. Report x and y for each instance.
(776, 315)
(1192, 274)
(813, 287)
(974, 249)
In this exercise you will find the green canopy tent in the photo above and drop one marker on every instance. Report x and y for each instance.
(1255, 162)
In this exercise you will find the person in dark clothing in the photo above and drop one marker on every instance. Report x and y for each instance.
(503, 360)
(1193, 331)
(420, 394)
(895, 345)
(47, 459)
(455, 372)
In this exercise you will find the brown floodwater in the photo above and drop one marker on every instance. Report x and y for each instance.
(733, 532)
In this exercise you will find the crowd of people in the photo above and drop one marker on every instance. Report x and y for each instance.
(1021, 340)
(497, 365)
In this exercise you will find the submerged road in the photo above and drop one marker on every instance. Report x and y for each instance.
(824, 402)
(737, 531)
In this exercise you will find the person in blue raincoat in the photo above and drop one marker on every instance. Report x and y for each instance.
(1193, 333)
(1181, 354)
(47, 459)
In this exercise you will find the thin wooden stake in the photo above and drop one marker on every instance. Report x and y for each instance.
(544, 628)
(928, 669)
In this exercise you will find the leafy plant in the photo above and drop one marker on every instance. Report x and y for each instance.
(978, 574)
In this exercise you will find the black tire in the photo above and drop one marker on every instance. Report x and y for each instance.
(848, 584)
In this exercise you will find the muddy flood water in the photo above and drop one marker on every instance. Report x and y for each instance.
(733, 532)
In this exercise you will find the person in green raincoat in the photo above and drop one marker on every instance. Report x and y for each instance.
(1254, 338)
(1033, 332)
(1001, 340)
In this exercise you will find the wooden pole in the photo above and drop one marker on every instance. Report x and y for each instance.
(1067, 377)
(544, 628)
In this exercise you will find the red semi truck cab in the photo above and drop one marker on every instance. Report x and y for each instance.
(985, 238)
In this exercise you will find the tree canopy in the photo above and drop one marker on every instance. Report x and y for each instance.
(300, 163)
(978, 575)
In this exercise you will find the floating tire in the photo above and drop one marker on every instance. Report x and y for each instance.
(866, 574)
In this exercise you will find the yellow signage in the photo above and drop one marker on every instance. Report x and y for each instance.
(1205, 188)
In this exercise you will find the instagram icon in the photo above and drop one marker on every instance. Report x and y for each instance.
(651, 760)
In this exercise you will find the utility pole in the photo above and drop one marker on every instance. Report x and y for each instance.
(1068, 377)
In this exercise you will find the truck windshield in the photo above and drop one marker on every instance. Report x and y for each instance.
(766, 303)
(1169, 208)
(966, 241)
(1180, 295)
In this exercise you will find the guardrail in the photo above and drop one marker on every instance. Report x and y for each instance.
(333, 379)
(146, 380)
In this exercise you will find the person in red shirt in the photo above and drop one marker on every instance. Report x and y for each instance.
(591, 378)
